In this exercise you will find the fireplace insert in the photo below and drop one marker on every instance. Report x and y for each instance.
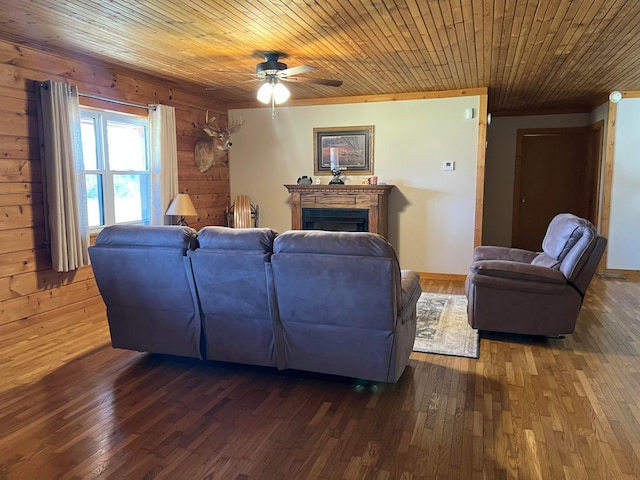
(336, 219)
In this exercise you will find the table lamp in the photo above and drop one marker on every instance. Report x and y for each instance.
(181, 206)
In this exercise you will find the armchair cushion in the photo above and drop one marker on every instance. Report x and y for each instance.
(545, 260)
(503, 253)
(563, 233)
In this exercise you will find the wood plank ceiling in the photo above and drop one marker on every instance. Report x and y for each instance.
(531, 54)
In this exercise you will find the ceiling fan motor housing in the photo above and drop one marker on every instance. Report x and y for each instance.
(271, 65)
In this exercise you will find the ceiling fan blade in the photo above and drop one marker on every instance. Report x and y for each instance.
(290, 72)
(317, 81)
(220, 87)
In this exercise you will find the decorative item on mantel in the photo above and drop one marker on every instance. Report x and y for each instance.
(336, 180)
(336, 171)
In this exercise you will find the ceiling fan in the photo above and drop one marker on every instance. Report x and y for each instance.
(272, 71)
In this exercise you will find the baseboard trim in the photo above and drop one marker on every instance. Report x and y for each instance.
(455, 277)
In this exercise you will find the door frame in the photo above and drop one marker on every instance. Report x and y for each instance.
(597, 181)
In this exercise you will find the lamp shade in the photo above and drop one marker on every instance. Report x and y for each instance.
(181, 206)
(273, 88)
(264, 93)
(280, 93)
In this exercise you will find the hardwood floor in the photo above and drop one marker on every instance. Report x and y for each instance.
(71, 407)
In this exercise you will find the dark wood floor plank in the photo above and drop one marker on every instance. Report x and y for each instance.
(71, 407)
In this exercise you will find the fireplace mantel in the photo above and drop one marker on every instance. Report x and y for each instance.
(374, 198)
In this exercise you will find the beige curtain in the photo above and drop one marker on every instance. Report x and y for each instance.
(164, 162)
(63, 175)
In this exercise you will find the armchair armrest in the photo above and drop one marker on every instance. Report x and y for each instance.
(518, 271)
(486, 252)
(411, 290)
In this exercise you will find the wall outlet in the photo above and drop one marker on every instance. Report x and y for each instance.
(448, 165)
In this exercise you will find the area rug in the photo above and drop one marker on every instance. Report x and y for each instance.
(443, 328)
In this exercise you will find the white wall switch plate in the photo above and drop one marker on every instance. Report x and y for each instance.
(448, 165)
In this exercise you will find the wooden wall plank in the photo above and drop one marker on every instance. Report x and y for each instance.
(12, 171)
(19, 148)
(19, 239)
(19, 216)
(16, 199)
(27, 305)
(23, 261)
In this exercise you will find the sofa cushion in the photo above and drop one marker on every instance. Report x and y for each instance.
(145, 279)
(169, 236)
(224, 238)
(359, 244)
(229, 269)
(343, 305)
(333, 243)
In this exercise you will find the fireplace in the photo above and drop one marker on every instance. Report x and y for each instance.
(369, 201)
(336, 219)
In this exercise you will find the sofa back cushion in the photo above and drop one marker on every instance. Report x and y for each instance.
(337, 298)
(237, 239)
(163, 236)
(229, 269)
(146, 283)
(334, 271)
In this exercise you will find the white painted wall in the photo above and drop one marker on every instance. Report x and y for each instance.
(431, 211)
(500, 169)
(624, 224)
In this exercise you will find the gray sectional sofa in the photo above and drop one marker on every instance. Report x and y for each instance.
(328, 302)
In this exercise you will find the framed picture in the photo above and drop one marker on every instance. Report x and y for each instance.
(349, 149)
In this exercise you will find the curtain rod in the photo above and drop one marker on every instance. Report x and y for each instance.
(119, 102)
(45, 85)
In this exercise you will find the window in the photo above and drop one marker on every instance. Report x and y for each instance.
(116, 162)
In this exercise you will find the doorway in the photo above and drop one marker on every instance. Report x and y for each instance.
(557, 170)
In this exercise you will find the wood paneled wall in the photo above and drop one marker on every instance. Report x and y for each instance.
(30, 291)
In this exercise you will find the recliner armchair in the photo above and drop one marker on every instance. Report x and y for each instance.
(519, 291)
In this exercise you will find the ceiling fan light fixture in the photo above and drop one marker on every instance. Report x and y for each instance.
(280, 93)
(264, 93)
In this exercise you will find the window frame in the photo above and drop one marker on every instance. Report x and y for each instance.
(105, 174)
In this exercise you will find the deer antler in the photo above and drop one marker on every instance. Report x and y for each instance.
(214, 131)
(210, 128)
(235, 125)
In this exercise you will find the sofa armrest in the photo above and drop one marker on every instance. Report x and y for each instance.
(411, 290)
(503, 253)
(518, 271)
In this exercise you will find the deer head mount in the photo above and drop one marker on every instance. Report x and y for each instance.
(213, 150)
